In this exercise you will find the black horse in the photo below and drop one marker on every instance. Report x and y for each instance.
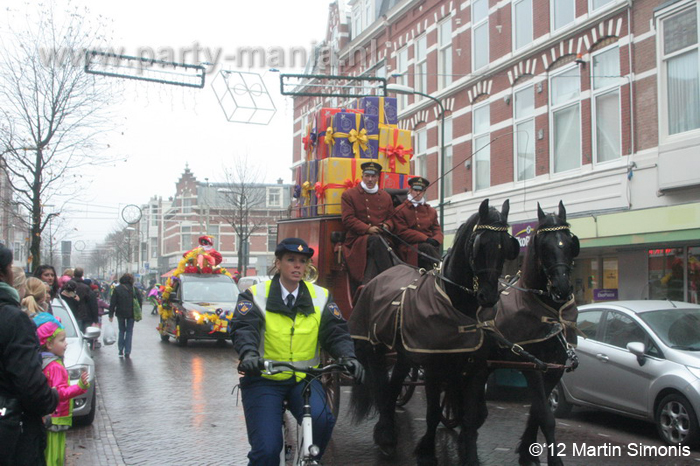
(539, 313)
(468, 281)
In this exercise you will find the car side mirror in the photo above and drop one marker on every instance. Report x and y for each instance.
(637, 348)
(92, 333)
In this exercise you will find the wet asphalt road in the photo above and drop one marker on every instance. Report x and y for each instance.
(171, 405)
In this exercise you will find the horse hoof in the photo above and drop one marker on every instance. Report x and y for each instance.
(529, 461)
(387, 451)
(426, 461)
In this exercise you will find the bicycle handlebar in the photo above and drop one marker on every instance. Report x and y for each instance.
(275, 367)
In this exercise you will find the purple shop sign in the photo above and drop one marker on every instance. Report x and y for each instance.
(523, 231)
(605, 294)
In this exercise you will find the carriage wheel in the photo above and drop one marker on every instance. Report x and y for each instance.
(408, 389)
(449, 413)
(331, 384)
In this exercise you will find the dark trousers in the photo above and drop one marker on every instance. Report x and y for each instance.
(379, 258)
(432, 251)
(263, 407)
(23, 445)
(126, 331)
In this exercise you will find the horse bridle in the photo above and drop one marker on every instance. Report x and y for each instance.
(473, 245)
(568, 266)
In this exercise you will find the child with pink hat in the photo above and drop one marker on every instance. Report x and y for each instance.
(52, 338)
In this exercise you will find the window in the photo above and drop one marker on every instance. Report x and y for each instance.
(595, 4)
(445, 53)
(274, 197)
(606, 104)
(621, 329)
(480, 33)
(447, 178)
(369, 19)
(402, 71)
(482, 151)
(154, 215)
(680, 73)
(272, 238)
(588, 322)
(154, 248)
(563, 13)
(421, 151)
(213, 231)
(522, 23)
(667, 272)
(421, 67)
(356, 21)
(524, 119)
(565, 89)
(187, 205)
(185, 238)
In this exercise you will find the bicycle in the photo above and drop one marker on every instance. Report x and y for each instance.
(306, 453)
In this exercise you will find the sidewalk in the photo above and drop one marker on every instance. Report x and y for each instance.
(94, 445)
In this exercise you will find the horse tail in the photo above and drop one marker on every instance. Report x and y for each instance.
(364, 398)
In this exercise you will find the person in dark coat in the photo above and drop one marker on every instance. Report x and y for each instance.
(417, 224)
(122, 304)
(87, 311)
(25, 395)
(261, 323)
(366, 211)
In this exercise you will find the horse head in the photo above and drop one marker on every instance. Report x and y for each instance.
(555, 248)
(489, 246)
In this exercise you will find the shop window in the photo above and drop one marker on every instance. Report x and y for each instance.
(694, 274)
(666, 274)
(585, 280)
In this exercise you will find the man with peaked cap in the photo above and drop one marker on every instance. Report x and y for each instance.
(366, 211)
(417, 224)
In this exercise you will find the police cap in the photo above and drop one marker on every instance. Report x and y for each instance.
(296, 245)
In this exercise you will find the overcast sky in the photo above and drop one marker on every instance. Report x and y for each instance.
(161, 128)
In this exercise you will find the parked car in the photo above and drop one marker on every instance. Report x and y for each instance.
(78, 358)
(246, 282)
(200, 303)
(640, 359)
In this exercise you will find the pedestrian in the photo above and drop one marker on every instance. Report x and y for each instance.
(417, 224)
(67, 275)
(366, 212)
(47, 274)
(260, 324)
(34, 300)
(25, 395)
(122, 304)
(52, 338)
(19, 281)
(87, 314)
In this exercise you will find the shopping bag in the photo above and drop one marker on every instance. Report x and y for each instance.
(109, 335)
(137, 310)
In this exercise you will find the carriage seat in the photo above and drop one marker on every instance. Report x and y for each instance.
(397, 195)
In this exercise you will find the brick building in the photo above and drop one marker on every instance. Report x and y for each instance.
(203, 207)
(592, 102)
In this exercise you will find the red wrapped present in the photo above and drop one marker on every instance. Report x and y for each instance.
(394, 180)
(324, 120)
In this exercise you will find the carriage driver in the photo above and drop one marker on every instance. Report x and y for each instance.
(417, 223)
(366, 211)
(286, 319)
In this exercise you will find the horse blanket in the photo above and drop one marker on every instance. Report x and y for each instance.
(408, 305)
(523, 318)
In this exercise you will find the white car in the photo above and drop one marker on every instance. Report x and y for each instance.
(78, 358)
(246, 282)
(640, 359)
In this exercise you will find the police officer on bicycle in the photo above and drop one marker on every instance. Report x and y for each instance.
(287, 319)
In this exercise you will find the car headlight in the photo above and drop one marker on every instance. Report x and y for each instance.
(694, 370)
(193, 315)
(74, 372)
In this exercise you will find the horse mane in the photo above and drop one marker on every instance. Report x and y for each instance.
(533, 276)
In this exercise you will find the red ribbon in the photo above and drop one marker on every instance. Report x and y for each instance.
(320, 189)
(307, 142)
(396, 152)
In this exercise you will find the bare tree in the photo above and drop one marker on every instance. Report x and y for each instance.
(52, 111)
(244, 197)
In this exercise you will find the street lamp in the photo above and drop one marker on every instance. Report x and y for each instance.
(128, 247)
(401, 89)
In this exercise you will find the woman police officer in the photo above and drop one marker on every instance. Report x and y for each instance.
(287, 319)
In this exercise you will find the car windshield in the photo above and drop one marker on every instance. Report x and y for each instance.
(215, 289)
(61, 313)
(678, 328)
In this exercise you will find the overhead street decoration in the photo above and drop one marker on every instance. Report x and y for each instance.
(243, 97)
(319, 85)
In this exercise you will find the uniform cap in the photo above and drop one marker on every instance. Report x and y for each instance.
(296, 245)
(418, 183)
(371, 168)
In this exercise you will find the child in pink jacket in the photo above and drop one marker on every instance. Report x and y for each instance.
(52, 338)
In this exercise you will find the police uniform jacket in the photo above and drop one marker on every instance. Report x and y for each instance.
(416, 225)
(361, 210)
(248, 323)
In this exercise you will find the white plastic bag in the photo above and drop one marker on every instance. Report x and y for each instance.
(109, 335)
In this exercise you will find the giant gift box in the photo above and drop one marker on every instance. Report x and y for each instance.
(335, 176)
(394, 180)
(372, 126)
(395, 149)
(350, 139)
(307, 194)
(383, 107)
(308, 140)
(324, 120)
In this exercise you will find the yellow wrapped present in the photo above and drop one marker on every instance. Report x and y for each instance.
(335, 176)
(395, 149)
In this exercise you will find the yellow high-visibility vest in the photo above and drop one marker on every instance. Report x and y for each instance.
(289, 340)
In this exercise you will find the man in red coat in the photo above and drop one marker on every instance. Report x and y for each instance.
(366, 211)
(417, 224)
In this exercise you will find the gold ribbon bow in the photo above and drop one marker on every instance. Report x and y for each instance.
(305, 188)
(330, 140)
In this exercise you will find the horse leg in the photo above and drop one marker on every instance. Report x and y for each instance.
(425, 451)
(386, 431)
(474, 416)
(548, 422)
(541, 417)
